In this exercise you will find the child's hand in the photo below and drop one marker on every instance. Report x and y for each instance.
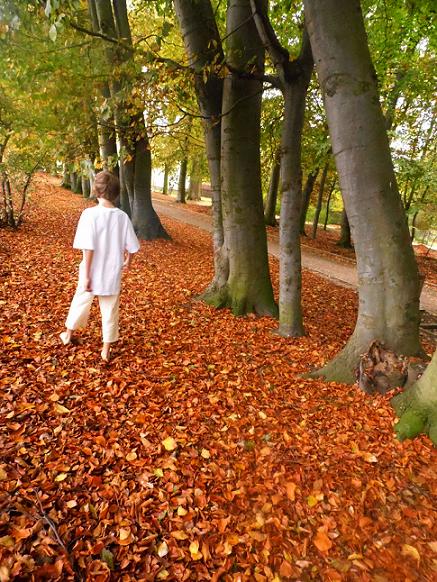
(88, 284)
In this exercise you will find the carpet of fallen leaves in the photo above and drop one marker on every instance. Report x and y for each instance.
(198, 453)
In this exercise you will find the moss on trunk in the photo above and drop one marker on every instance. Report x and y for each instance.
(417, 406)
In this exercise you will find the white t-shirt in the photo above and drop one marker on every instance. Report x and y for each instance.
(109, 233)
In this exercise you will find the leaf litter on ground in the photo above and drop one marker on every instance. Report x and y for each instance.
(199, 453)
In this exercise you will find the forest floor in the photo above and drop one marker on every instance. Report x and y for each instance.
(199, 452)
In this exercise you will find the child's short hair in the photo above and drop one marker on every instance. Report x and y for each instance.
(106, 185)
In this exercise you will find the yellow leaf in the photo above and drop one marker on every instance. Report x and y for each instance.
(312, 501)
(265, 451)
(205, 454)
(3, 474)
(179, 535)
(7, 541)
(262, 414)
(163, 574)
(61, 409)
(131, 456)
(182, 511)
(407, 550)
(162, 549)
(194, 551)
(124, 533)
(61, 477)
(54, 397)
(169, 444)
(158, 473)
(72, 503)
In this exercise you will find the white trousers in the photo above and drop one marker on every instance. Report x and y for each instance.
(80, 310)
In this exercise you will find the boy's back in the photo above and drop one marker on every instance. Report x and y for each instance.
(108, 232)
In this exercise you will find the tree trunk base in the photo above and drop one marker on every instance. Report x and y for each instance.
(290, 331)
(415, 416)
(240, 302)
(151, 231)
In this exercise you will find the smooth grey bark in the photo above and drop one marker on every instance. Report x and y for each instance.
(388, 277)
(182, 192)
(272, 194)
(328, 203)
(345, 233)
(248, 288)
(294, 78)
(307, 191)
(417, 406)
(204, 49)
(319, 201)
(135, 148)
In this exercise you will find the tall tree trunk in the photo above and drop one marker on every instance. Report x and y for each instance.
(345, 233)
(294, 77)
(166, 173)
(85, 186)
(105, 127)
(272, 194)
(319, 201)
(65, 177)
(389, 288)
(306, 197)
(181, 195)
(203, 45)
(417, 406)
(248, 288)
(195, 188)
(130, 126)
(328, 203)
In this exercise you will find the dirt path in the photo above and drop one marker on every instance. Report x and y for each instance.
(338, 270)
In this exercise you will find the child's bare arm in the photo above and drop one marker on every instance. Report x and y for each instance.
(88, 256)
(128, 258)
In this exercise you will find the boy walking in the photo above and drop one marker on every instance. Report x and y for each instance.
(107, 239)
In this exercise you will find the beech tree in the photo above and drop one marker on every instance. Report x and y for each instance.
(135, 148)
(248, 287)
(205, 58)
(389, 287)
(293, 78)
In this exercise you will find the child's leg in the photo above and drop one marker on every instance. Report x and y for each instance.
(78, 313)
(109, 309)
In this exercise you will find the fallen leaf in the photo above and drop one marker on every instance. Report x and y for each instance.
(407, 550)
(169, 444)
(162, 549)
(322, 541)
